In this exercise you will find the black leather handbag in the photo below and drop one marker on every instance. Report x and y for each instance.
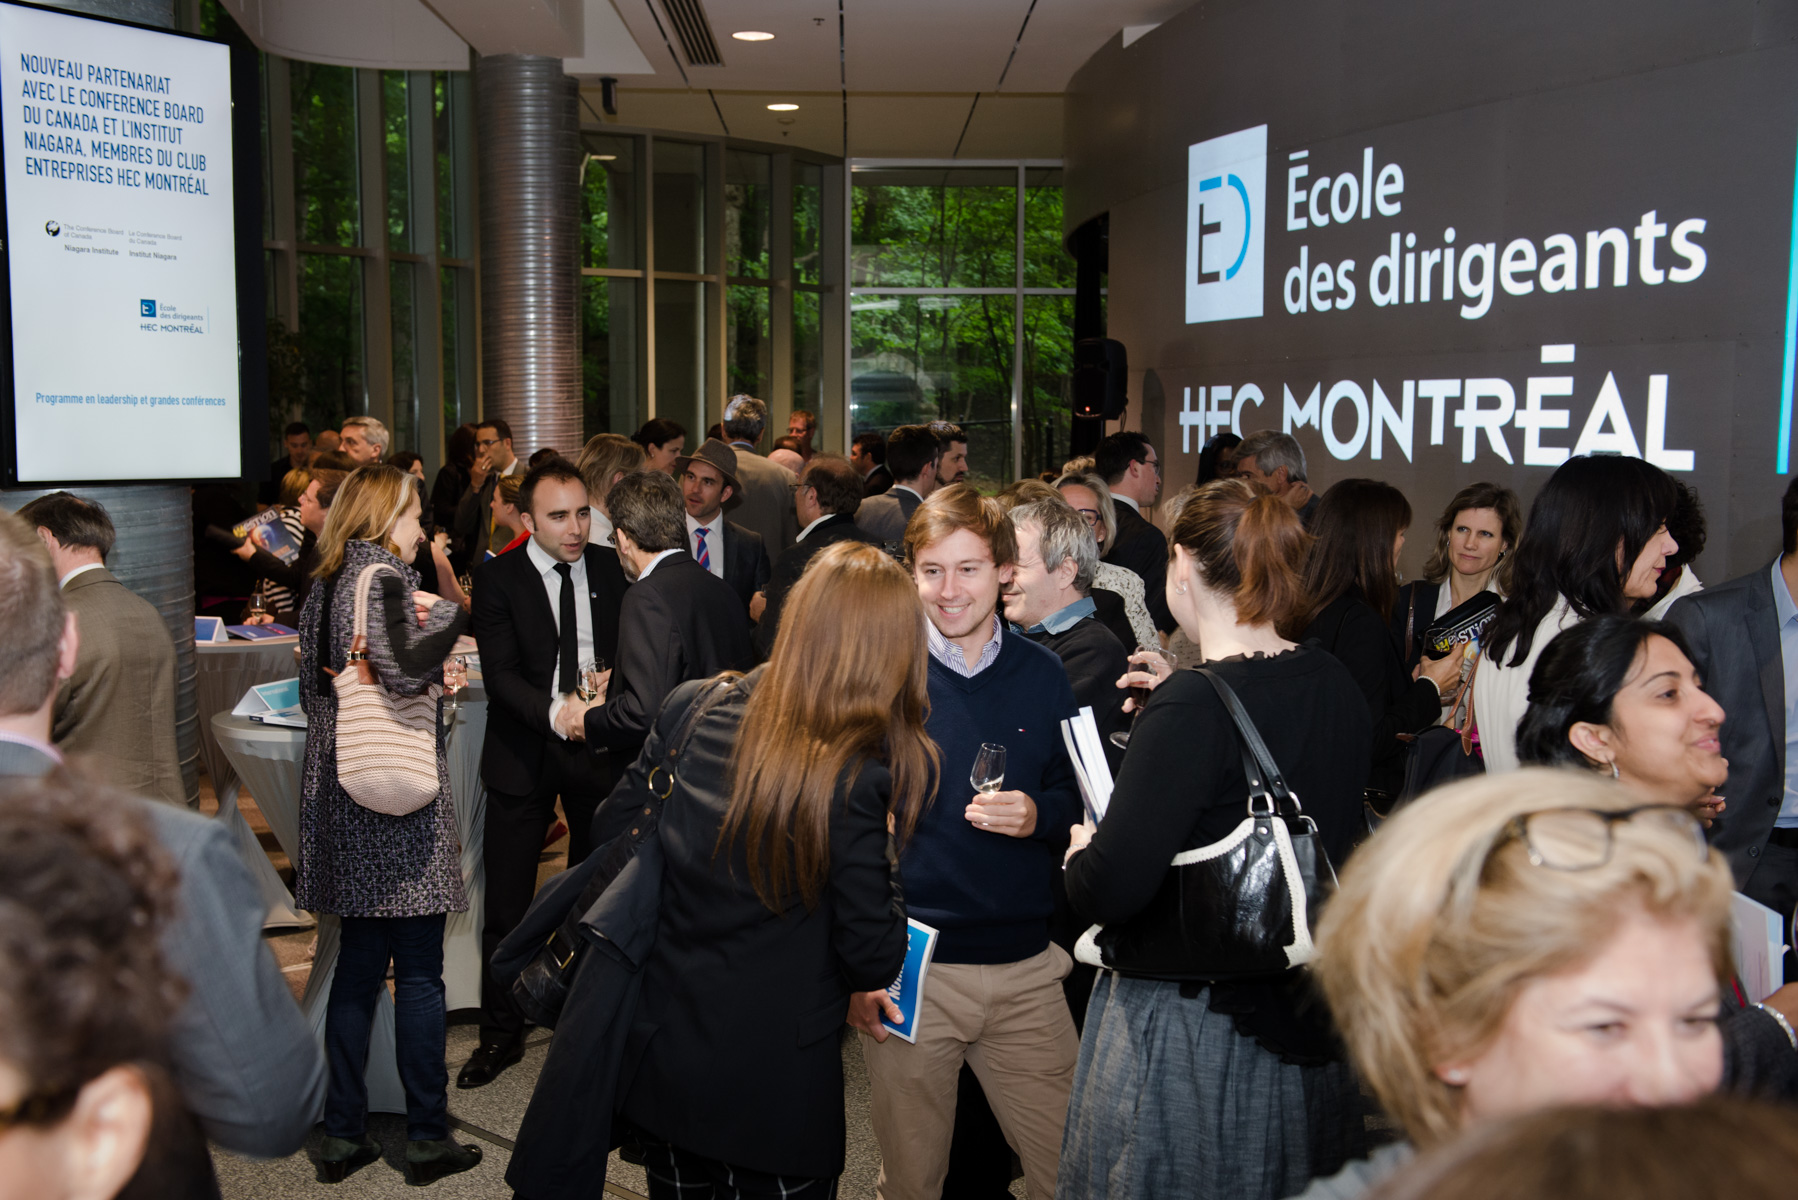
(1238, 908)
(541, 988)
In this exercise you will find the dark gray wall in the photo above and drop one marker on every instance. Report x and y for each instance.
(1509, 123)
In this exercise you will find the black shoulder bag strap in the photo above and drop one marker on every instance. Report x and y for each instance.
(1267, 786)
(541, 988)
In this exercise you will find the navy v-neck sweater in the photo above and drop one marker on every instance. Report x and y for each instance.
(987, 893)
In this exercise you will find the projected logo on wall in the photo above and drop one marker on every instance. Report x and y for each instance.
(1226, 220)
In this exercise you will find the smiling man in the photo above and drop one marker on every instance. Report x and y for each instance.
(1049, 601)
(731, 552)
(540, 614)
(978, 868)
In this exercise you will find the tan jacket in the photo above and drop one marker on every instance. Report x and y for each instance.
(767, 501)
(118, 709)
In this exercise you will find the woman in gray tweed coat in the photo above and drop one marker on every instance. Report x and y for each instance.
(390, 879)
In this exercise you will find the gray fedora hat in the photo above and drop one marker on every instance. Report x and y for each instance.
(718, 455)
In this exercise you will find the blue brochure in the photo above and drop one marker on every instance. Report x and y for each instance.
(908, 988)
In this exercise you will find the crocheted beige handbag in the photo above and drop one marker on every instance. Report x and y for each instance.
(386, 744)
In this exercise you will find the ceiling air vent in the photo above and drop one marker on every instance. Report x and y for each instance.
(694, 32)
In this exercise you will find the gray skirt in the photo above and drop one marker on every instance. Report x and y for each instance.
(1170, 1100)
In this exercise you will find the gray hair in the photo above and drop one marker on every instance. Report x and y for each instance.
(1061, 534)
(373, 430)
(1272, 450)
(1108, 509)
(648, 506)
(744, 419)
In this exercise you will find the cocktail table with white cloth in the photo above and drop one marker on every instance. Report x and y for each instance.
(268, 759)
(224, 672)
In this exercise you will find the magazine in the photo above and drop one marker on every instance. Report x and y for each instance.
(908, 988)
(266, 531)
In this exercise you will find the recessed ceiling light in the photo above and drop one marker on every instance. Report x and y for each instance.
(752, 35)
(604, 157)
(783, 108)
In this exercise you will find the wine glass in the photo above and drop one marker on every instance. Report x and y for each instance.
(455, 678)
(1121, 738)
(465, 581)
(587, 687)
(988, 775)
(258, 604)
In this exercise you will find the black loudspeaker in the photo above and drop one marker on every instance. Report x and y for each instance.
(1101, 373)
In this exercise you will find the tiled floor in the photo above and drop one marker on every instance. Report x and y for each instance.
(488, 1117)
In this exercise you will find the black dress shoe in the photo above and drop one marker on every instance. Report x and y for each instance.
(485, 1064)
(427, 1162)
(339, 1158)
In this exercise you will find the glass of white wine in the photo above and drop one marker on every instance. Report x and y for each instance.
(988, 775)
(588, 686)
(455, 678)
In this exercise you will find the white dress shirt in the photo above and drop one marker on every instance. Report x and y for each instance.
(814, 525)
(714, 541)
(1123, 499)
(583, 617)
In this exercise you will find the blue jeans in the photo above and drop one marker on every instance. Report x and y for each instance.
(415, 945)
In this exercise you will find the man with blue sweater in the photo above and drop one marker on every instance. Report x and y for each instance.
(978, 869)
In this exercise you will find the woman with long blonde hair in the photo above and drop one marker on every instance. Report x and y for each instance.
(390, 879)
(780, 893)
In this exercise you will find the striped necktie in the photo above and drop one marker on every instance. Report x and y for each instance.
(705, 559)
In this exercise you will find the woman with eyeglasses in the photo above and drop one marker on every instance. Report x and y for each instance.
(1511, 943)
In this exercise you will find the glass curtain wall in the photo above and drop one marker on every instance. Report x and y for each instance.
(722, 289)
(368, 242)
(961, 309)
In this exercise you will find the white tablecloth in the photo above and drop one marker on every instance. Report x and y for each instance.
(226, 671)
(268, 760)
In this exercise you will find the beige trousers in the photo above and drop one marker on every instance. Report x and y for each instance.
(1010, 1022)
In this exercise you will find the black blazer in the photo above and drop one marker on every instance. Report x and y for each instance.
(878, 480)
(745, 562)
(1142, 548)
(709, 1068)
(681, 623)
(838, 527)
(520, 651)
(1350, 629)
(1734, 635)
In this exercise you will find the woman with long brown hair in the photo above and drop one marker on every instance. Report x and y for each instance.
(780, 893)
(1351, 582)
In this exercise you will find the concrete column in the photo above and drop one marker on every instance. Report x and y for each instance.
(528, 150)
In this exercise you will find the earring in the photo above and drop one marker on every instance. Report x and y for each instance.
(1179, 589)
(1614, 773)
(1455, 1078)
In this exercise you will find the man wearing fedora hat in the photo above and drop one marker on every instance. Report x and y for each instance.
(708, 478)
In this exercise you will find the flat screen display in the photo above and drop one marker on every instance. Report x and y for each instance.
(120, 251)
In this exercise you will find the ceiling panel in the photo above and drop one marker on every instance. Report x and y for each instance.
(900, 125)
(1008, 126)
(1063, 34)
(929, 45)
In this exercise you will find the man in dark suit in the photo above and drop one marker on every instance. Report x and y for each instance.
(298, 440)
(1131, 469)
(829, 493)
(1744, 640)
(117, 707)
(541, 614)
(913, 455)
(474, 512)
(678, 621)
(868, 455)
(244, 1060)
(731, 552)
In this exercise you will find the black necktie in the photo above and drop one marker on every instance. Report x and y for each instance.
(570, 667)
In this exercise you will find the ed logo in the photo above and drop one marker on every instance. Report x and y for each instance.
(146, 308)
(1226, 211)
